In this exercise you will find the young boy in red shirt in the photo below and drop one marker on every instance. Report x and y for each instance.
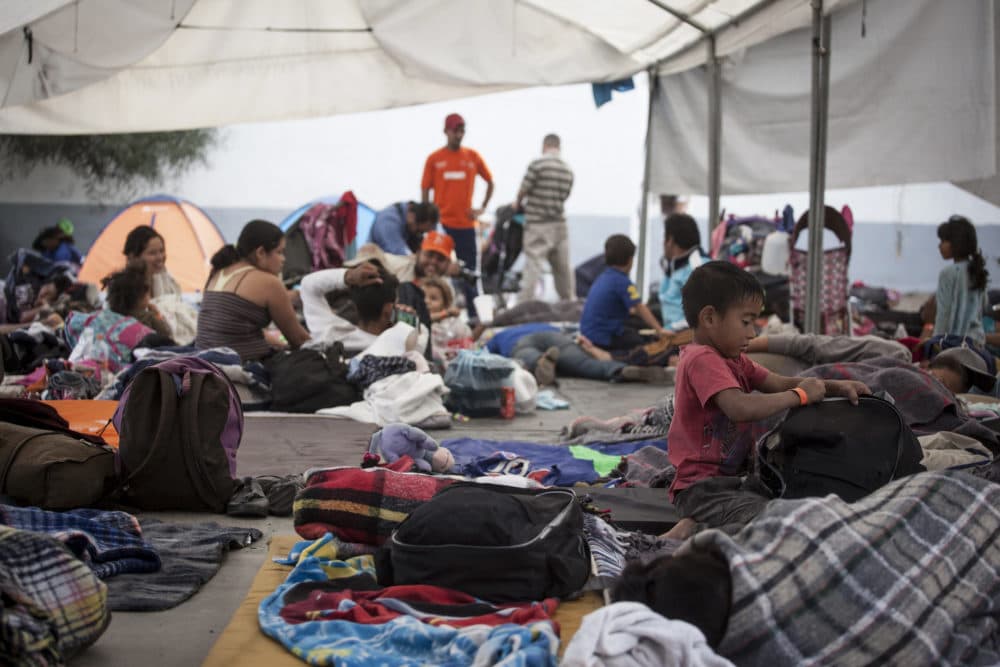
(720, 393)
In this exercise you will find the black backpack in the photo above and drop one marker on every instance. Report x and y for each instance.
(497, 543)
(307, 379)
(836, 447)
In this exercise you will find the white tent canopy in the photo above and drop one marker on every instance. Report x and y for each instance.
(912, 100)
(95, 66)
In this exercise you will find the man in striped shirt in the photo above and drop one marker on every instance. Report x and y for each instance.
(544, 190)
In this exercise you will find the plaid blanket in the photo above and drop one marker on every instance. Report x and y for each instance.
(926, 404)
(53, 605)
(905, 576)
(362, 504)
(109, 542)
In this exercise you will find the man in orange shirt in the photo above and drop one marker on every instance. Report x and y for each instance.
(451, 173)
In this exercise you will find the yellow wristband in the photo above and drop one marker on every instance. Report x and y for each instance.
(803, 396)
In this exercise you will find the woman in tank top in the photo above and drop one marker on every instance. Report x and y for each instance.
(244, 295)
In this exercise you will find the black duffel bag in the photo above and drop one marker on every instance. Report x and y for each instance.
(308, 379)
(497, 543)
(835, 447)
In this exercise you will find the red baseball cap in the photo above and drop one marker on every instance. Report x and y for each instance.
(439, 243)
(453, 120)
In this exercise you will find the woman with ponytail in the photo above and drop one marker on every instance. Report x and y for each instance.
(961, 286)
(244, 295)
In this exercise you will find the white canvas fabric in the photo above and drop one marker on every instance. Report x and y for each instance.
(145, 65)
(911, 101)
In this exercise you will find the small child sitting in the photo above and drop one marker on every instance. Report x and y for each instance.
(612, 298)
(449, 333)
(719, 395)
(129, 292)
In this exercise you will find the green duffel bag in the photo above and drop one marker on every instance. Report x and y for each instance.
(53, 470)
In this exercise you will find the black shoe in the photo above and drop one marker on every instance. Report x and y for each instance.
(248, 499)
(281, 492)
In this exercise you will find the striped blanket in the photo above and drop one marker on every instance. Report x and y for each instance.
(909, 575)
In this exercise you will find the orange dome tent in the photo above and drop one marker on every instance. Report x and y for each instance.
(190, 236)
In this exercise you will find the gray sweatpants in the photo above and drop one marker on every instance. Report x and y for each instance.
(815, 349)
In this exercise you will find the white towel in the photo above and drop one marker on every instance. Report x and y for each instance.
(629, 634)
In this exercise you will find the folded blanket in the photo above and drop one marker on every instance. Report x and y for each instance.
(53, 605)
(904, 576)
(111, 543)
(362, 504)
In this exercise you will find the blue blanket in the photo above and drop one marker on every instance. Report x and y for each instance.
(401, 642)
(565, 469)
(109, 542)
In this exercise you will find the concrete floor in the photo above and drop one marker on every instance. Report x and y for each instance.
(184, 635)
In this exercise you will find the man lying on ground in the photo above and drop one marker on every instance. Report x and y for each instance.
(549, 353)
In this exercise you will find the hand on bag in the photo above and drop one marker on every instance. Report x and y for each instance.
(849, 389)
(815, 389)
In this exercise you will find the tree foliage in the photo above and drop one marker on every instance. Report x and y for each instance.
(109, 164)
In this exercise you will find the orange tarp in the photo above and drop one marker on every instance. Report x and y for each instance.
(89, 417)
(190, 237)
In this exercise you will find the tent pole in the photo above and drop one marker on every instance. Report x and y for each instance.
(640, 264)
(817, 163)
(714, 135)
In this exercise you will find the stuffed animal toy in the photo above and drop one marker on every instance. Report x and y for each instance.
(398, 440)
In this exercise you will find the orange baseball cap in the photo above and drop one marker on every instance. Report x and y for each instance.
(438, 242)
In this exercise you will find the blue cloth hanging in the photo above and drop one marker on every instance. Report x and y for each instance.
(602, 91)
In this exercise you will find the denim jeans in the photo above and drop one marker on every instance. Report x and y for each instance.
(465, 250)
(573, 361)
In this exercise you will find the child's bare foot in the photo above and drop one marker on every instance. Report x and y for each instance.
(682, 530)
(591, 349)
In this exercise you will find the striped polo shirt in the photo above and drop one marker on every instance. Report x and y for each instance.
(546, 184)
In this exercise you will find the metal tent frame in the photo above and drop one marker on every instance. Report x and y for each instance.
(817, 143)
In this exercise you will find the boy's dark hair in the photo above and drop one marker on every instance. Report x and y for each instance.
(953, 365)
(618, 250)
(720, 285)
(682, 228)
(370, 299)
(695, 587)
(125, 289)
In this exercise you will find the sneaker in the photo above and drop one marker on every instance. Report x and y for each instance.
(248, 499)
(649, 374)
(545, 369)
(280, 492)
